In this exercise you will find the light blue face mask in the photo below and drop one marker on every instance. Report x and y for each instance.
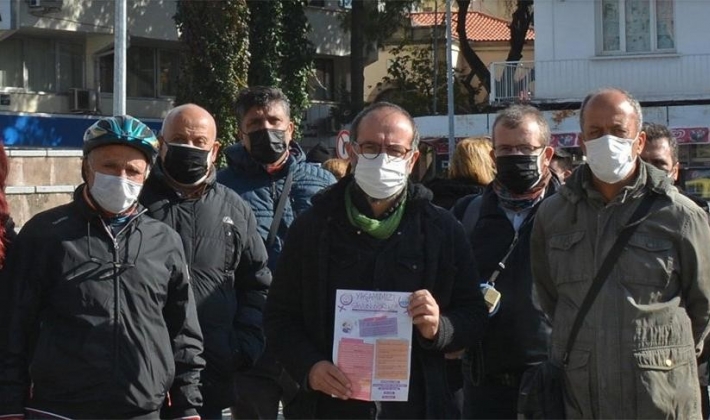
(114, 194)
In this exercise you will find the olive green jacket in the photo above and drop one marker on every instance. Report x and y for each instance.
(635, 355)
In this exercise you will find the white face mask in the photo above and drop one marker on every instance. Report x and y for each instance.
(114, 194)
(381, 177)
(610, 158)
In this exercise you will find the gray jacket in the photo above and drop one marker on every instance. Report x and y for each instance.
(635, 355)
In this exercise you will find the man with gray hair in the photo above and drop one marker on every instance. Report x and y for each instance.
(375, 230)
(635, 352)
(498, 223)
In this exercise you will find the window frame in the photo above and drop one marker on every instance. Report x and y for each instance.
(55, 47)
(653, 31)
(155, 52)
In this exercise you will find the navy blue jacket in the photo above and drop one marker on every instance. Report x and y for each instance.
(262, 190)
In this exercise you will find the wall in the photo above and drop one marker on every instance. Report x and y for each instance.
(562, 34)
(146, 18)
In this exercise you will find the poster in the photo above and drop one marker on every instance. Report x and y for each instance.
(373, 343)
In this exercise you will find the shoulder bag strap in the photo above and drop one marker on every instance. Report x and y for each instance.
(606, 267)
(278, 213)
(471, 215)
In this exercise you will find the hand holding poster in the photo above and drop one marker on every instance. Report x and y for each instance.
(372, 343)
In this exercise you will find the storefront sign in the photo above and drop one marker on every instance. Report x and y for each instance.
(695, 135)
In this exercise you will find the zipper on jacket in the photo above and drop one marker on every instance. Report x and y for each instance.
(116, 304)
(116, 289)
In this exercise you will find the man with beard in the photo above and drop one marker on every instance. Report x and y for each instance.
(499, 223)
(374, 230)
(269, 171)
(225, 254)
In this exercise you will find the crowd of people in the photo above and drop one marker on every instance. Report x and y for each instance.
(169, 288)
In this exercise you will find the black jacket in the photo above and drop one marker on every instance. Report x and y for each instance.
(101, 327)
(227, 261)
(448, 190)
(323, 252)
(517, 335)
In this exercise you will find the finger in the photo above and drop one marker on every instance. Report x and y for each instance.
(424, 309)
(338, 384)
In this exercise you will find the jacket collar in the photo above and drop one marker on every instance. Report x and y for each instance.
(331, 197)
(159, 180)
(579, 185)
(89, 212)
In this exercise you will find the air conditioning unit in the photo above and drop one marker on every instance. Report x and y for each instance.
(82, 100)
(45, 5)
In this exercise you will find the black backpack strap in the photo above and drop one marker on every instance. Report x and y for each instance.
(278, 213)
(471, 215)
(608, 263)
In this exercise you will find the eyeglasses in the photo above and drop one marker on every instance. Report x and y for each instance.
(373, 150)
(523, 148)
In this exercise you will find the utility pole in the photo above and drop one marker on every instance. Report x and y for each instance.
(119, 59)
(436, 55)
(450, 81)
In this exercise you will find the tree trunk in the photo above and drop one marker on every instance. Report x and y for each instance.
(478, 67)
(522, 18)
(357, 56)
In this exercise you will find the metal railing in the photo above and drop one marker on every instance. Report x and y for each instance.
(648, 77)
(512, 81)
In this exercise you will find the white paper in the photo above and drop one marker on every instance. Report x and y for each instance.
(372, 343)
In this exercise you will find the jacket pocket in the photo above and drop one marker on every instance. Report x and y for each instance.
(230, 239)
(567, 257)
(647, 261)
(667, 383)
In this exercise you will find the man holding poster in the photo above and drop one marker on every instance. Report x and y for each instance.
(371, 252)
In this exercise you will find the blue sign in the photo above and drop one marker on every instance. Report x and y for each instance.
(50, 130)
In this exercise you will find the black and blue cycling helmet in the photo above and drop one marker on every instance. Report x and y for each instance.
(122, 129)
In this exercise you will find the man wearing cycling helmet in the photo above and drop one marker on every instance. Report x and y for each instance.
(103, 321)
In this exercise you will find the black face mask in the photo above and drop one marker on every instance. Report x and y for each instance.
(518, 173)
(186, 165)
(267, 145)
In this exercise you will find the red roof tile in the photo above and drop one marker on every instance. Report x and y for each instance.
(479, 26)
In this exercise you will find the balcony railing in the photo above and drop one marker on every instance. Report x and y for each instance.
(512, 81)
(648, 78)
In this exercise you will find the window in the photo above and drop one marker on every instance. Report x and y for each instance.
(323, 84)
(11, 64)
(637, 26)
(150, 72)
(41, 64)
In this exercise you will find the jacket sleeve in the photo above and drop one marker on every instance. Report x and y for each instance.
(252, 280)
(283, 317)
(181, 318)
(22, 285)
(695, 273)
(544, 289)
(462, 321)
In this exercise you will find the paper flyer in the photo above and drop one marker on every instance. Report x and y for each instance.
(373, 343)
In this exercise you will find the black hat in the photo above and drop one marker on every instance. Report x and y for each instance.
(318, 154)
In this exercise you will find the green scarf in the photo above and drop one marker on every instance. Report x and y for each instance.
(380, 229)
